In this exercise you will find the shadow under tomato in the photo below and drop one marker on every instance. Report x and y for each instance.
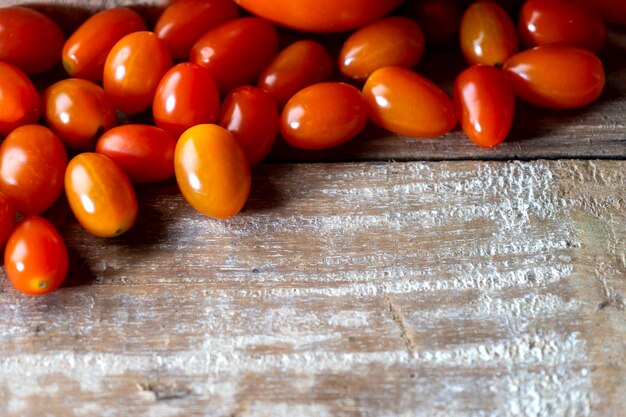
(267, 182)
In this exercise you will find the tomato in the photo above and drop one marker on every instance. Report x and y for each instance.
(404, 102)
(439, 19)
(236, 51)
(85, 52)
(7, 218)
(133, 69)
(35, 258)
(19, 100)
(78, 111)
(299, 65)
(29, 40)
(251, 115)
(487, 34)
(185, 97)
(320, 15)
(612, 11)
(145, 153)
(556, 76)
(184, 21)
(393, 41)
(212, 171)
(544, 22)
(485, 104)
(100, 195)
(323, 115)
(32, 163)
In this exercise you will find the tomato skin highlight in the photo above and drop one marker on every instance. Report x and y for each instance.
(7, 218)
(86, 50)
(183, 22)
(392, 41)
(212, 171)
(612, 11)
(35, 257)
(404, 102)
(186, 96)
(485, 104)
(556, 76)
(20, 103)
(100, 195)
(145, 153)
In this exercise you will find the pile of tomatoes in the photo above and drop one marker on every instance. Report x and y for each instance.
(219, 90)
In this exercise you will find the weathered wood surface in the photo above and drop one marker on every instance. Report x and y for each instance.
(371, 289)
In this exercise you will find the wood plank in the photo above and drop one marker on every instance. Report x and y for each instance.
(371, 289)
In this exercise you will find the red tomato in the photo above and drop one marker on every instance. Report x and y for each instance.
(487, 33)
(612, 11)
(78, 111)
(19, 100)
(145, 153)
(323, 115)
(86, 50)
(7, 218)
(439, 19)
(393, 41)
(32, 163)
(300, 65)
(212, 171)
(185, 97)
(100, 195)
(544, 22)
(485, 104)
(320, 15)
(250, 114)
(236, 51)
(556, 76)
(404, 102)
(35, 257)
(133, 69)
(185, 21)
(29, 40)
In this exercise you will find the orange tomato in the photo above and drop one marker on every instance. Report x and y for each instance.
(250, 114)
(29, 40)
(393, 41)
(86, 51)
(185, 97)
(184, 21)
(612, 11)
(19, 100)
(236, 51)
(100, 195)
(404, 102)
(7, 218)
(212, 171)
(133, 70)
(32, 163)
(438, 19)
(323, 115)
(78, 111)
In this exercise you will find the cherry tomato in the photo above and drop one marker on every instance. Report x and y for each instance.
(556, 76)
(485, 104)
(323, 115)
(185, 97)
(29, 40)
(236, 51)
(299, 65)
(544, 22)
(185, 21)
(7, 218)
(19, 100)
(212, 171)
(78, 111)
(393, 41)
(320, 15)
(439, 19)
(145, 153)
(612, 11)
(100, 195)
(133, 69)
(404, 102)
(85, 52)
(35, 257)
(250, 114)
(487, 33)
(32, 163)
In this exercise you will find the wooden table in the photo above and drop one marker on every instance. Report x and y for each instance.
(390, 277)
